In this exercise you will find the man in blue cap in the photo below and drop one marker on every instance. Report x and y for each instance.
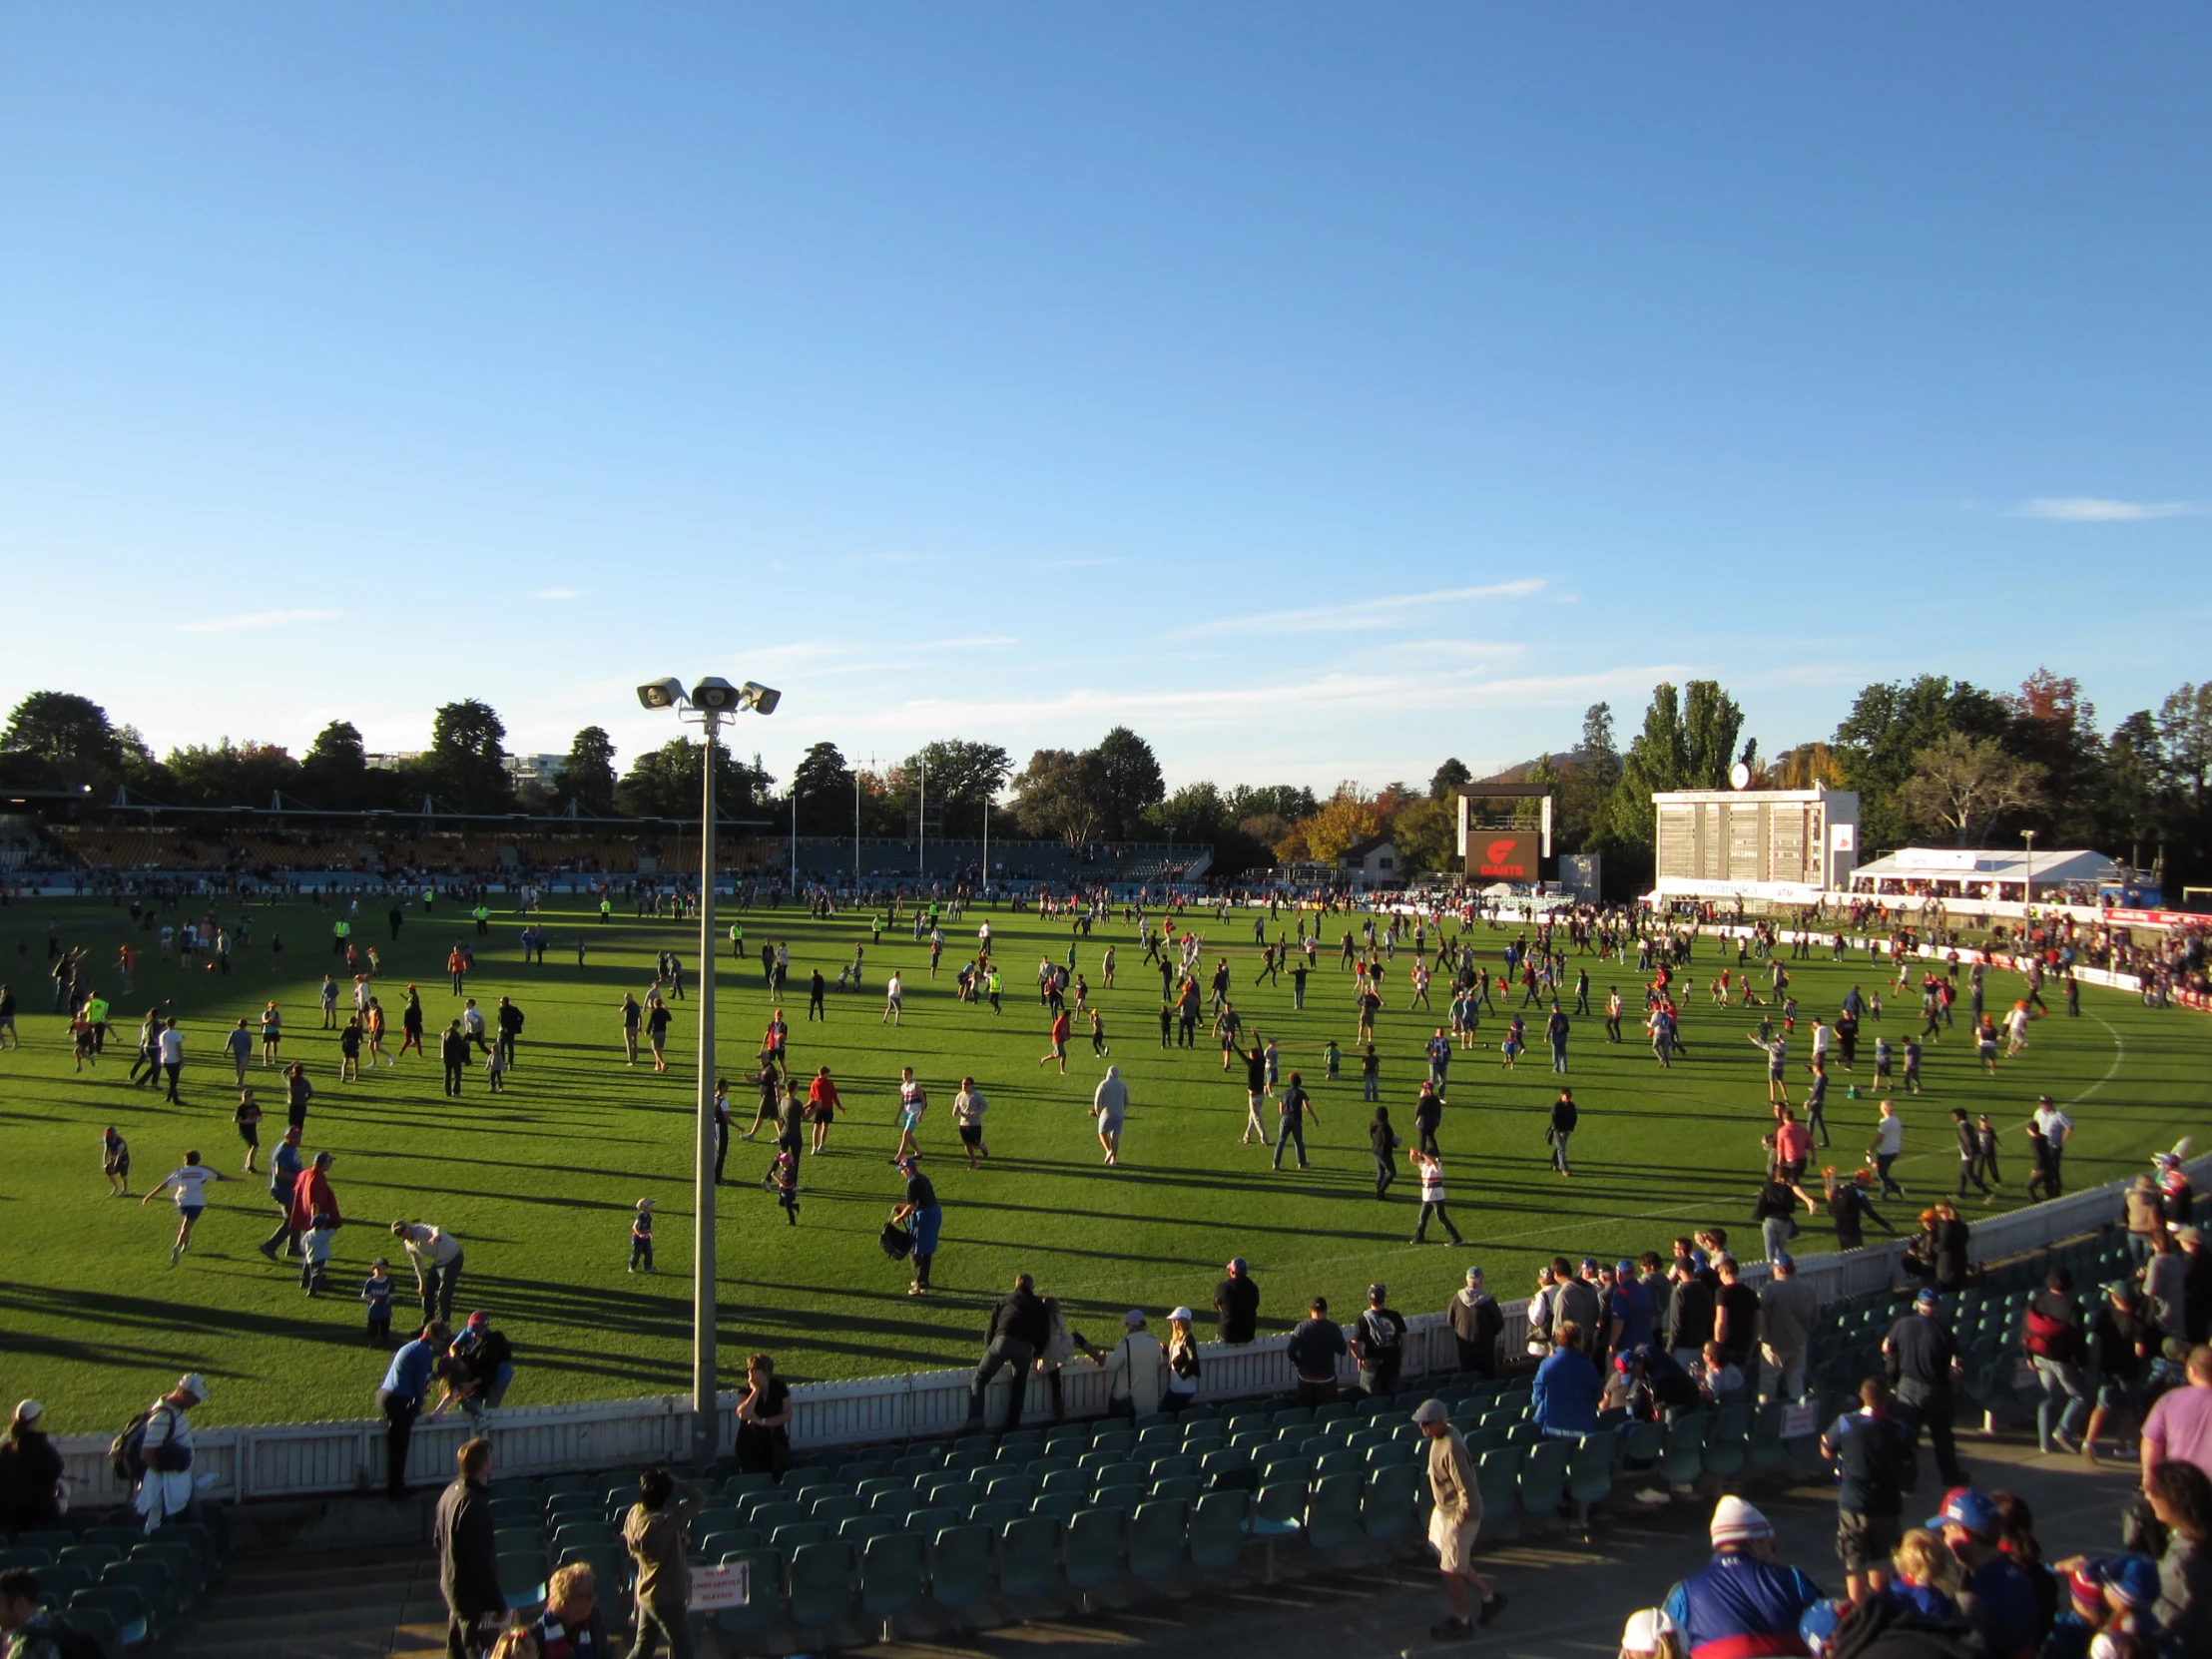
(919, 1212)
(1629, 1315)
(1922, 1359)
(2012, 1616)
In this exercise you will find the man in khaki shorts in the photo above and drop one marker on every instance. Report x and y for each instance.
(1456, 1520)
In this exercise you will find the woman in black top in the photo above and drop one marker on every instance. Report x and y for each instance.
(764, 1419)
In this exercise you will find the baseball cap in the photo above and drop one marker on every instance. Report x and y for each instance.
(1735, 1521)
(2042, 1100)
(476, 1320)
(645, 1203)
(1180, 1314)
(1965, 1508)
(1475, 1275)
(1431, 1411)
(1236, 1263)
(1926, 1298)
(1134, 1318)
(1640, 1636)
(1377, 1293)
(1782, 1258)
(193, 1384)
(28, 1411)
(1589, 1264)
(1624, 1265)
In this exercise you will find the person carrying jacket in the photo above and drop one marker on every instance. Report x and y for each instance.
(653, 1530)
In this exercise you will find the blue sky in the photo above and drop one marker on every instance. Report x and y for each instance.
(1319, 391)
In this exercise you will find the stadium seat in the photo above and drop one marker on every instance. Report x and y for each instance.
(821, 1583)
(522, 1580)
(186, 1570)
(57, 1584)
(720, 1519)
(1543, 1479)
(837, 1507)
(1340, 1461)
(730, 1539)
(1159, 1439)
(123, 1539)
(1019, 1487)
(892, 1576)
(21, 1556)
(996, 1512)
(764, 1606)
(52, 1540)
(955, 1495)
(857, 1530)
(1058, 1507)
(1333, 1513)
(1727, 1443)
(1065, 1480)
(151, 1579)
(792, 1537)
(1097, 1547)
(1590, 1473)
(1181, 1463)
(1334, 1410)
(961, 1566)
(1219, 1524)
(1050, 1463)
(1120, 1477)
(771, 1514)
(1156, 1532)
(928, 1519)
(1019, 1443)
(124, 1607)
(1030, 1556)
(1183, 1488)
(1387, 1508)
(1092, 1462)
(1683, 1460)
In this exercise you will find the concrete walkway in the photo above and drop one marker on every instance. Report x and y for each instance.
(1569, 1600)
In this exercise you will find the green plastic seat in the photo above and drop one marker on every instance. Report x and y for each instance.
(839, 1506)
(1590, 1472)
(996, 1512)
(187, 1572)
(152, 1580)
(961, 1566)
(1157, 1529)
(1220, 1522)
(1333, 1513)
(764, 1607)
(1281, 1502)
(792, 1537)
(1386, 1508)
(1178, 1488)
(522, 1581)
(1058, 1507)
(770, 1514)
(1097, 1547)
(1682, 1459)
(1497, 1479)
(52, 1540)
(1727, 1443)
(26, 1557)
(1121, 1478)
(123, 1606)
(1019, 1487)
(857, 1530)
(1030, 1556)
(1543, 1478)
(892, 1575)
(821, 1582)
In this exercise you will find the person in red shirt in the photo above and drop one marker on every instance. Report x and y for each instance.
(822, 1106)
(1059, 1043)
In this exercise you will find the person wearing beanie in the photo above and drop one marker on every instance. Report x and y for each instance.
(1744, 1602)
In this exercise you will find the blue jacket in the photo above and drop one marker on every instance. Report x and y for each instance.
(1740, 1608)
(410, 1376)
(1566, 1393)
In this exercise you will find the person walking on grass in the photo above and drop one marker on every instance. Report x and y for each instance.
(1564, 1118)
(822, 1106)
(248, 1117)
(1256, 1088)
(913, 1101)
(968, 1107)
(1292, 1111)
(919, 1212)
(188, 1181)
(1431, 1169)
(895, 1001)
(1109, 1105)
(1454, 1523)
(1059, 1037)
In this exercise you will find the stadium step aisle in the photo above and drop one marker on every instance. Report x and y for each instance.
(366, 1604)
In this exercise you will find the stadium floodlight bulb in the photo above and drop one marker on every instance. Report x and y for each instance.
(662, 693)
(761, 700)
(715, 695)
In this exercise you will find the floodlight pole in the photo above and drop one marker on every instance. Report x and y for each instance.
(706, 1432)
(2027, 885)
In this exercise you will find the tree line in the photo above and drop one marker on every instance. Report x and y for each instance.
(1933, 760)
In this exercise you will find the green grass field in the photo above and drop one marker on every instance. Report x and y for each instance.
(540, 1182)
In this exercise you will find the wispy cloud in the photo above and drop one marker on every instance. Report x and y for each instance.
(255, 619)
(2098, 509)
(1071, 564)
(1362, 614)
(561, 593)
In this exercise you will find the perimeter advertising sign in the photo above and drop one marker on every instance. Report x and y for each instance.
(1496, 855)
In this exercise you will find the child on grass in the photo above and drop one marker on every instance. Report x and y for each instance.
(495, 1069)
(115, 1162)
(640, 1237)
(249, 1119)
(377, 1290)
(783, 1181)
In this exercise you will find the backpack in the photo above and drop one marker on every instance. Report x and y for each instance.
(1378, 1335)
(898, 1243)
(127, 1452)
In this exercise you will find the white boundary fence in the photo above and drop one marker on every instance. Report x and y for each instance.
(292, 1461)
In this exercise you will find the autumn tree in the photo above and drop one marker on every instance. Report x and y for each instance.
(1967, 786)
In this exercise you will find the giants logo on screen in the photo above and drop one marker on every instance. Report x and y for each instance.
(1503, 858)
